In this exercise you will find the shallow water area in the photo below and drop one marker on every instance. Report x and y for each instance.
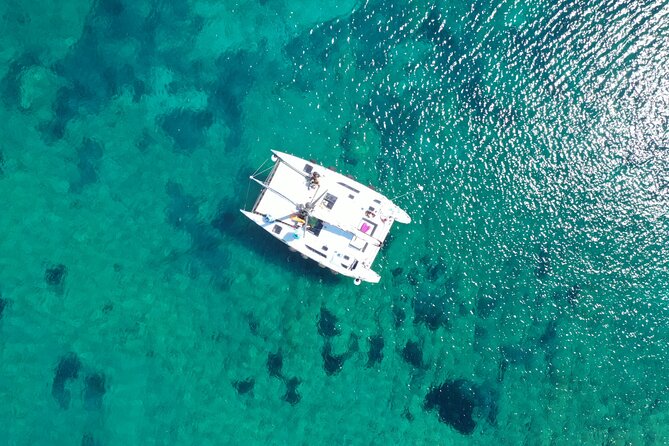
(526, 303)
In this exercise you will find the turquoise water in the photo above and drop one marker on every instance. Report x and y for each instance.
(526, 304)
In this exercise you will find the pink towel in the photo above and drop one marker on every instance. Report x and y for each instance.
(365, 227)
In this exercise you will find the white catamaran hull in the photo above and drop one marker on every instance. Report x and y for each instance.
(325, 216)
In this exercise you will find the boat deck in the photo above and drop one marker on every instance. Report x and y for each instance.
(346, 226)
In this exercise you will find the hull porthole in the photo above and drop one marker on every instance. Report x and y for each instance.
(357, 281)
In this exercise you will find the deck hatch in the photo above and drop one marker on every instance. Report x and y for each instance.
(329, 200)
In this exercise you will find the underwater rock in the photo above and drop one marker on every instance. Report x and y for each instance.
(3, 304)
(55, 276)
(183, 209)
(375, 354)
(187, 128)
(94, 391)
(254, 325)
(88, 440)
(332, 363)
(67, 370)
(10, 84)
(485, 305)
(431, 311)
(327, 324)
(412, 278)
(413, 354)
(573, 293)
(516, 354)
(549, 336)
(275, 365)
(237, 71)
(89, 153)
(397, 271)
(292, 396)
(435, 272)
(456, 402)
(245, 386)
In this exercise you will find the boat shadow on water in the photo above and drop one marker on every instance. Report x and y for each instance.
(231, 223)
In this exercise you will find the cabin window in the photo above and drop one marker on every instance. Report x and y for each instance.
(316, 251)
(329, 200)
(349, 187)
(308, 168)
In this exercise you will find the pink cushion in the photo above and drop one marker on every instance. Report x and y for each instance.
(365, 227)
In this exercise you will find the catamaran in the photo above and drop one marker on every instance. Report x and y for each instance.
(327, 217)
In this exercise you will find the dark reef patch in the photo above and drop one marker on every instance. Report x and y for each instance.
(457, 402)
(431, 311)
(435, 272)
(89, 155)
(67, 370)
(413, 277)
(227, 220)
(244, 386)
(573, 294)
(183, 209)
(88, 440)
(292, 396)
(235, 78)
(183, 213)
(333, 363)
(412, 354)
(375, 354)
(396, 272)
(275, 365)
(94, 391)
(485, 305)
(327, 324)
(3, 304)
(54, 276)
(97, 70)
(187, 128)
(549, 337)
(10, 84)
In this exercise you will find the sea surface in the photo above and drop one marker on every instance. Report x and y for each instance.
(527, 304)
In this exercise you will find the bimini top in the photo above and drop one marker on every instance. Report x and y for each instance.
(325, 216)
